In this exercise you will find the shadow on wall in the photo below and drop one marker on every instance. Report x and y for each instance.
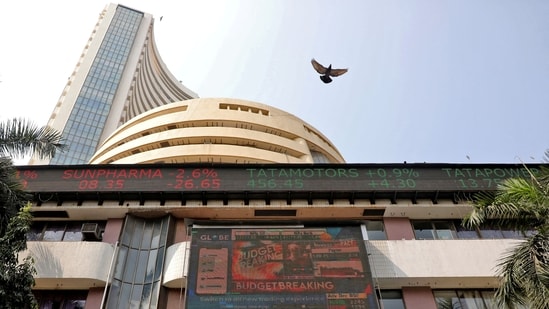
(46, 263)
(381, 265)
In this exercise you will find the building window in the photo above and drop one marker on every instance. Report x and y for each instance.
(465, 233)
(470, 299)
(139, 264)
(63, 231)
(391, 299)
(319, 157)
(61, 299)
(434, 230)
(453, 229)
(493, 231)
(375, 230)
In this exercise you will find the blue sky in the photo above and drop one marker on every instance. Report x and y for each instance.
(428, 81)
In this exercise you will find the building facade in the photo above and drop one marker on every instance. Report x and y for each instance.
(209, 235)
(226, 203)
(118, 76)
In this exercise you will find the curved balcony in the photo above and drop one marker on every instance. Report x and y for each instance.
(70, 265)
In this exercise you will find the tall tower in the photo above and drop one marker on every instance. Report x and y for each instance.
(118, 76)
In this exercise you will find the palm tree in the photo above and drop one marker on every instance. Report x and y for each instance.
(521, 204)
(18, 138)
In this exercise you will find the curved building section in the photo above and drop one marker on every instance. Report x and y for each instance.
(153, 85)
(216, 130)
(118, 75)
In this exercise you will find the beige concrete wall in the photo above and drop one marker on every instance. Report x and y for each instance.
(75, 265)
(438, 264)
(175, 267)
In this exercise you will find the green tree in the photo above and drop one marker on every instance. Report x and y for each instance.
(19, 138)
(522, 204)
(16, 279)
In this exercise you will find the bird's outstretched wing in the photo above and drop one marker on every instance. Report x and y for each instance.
(319, 67)
(337, 72)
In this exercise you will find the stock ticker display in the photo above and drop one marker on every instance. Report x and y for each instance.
(275, 177)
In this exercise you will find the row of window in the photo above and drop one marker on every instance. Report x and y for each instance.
(445, 229)
(445, 299)
(61, 299)
(470, 299)
(452, 229)
(66, 231)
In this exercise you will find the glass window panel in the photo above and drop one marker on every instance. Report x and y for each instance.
(159, 263)
(375, 230)
(512, 234)
(490, 233)
(128, 231)
(120, 261)
(465, 233)
(488, 297)
(391, 300)
(135, 299)
(137, 234)
(471, 299)
(35, 233)
(114, 294)
(130, 265)
(155, 243)
(164, 228)
(147, 235)
(446, 300)
(54, 232)
(423, 230)
(141, 266)
(154, 295)
(73, 233)
(74, 304)
(125, 293)
(444, 230)
(151, 263)
(146, 296)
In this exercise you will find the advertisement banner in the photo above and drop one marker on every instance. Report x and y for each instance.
(261, 268)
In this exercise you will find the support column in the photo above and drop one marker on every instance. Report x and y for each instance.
(95, 295)
(418, 298)
(398, 228)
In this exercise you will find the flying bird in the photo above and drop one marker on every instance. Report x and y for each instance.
(327, 72)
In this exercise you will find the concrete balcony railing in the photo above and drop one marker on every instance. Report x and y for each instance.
(70, 265)
(438, 264)
(176, 265)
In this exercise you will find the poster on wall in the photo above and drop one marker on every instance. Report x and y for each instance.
(279, 268)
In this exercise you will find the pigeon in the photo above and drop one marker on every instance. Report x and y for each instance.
(327, 72)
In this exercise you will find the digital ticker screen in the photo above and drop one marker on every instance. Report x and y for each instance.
(252, 268)
(274, 177)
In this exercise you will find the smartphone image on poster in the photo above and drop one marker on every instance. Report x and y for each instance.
(212, 271)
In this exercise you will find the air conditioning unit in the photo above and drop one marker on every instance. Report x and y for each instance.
(91, 231)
